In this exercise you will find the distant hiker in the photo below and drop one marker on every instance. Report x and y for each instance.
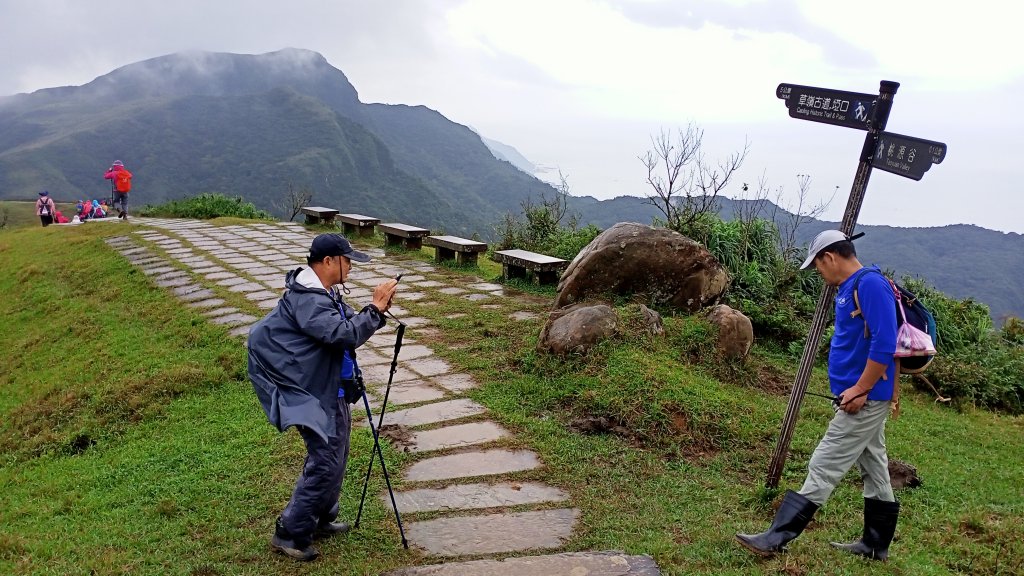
(121, 184)
(302, 364)
(861, 372)
(45, 208)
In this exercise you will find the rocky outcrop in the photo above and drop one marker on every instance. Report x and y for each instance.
(735, 332)
(661, 266)
(576, 329)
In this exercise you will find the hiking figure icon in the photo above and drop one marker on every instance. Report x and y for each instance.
(860, 112)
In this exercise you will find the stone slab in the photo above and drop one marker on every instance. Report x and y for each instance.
(241, 330)
(187, 289)
(232, 281)
(220, 311)
(234, 319)
(428, 366)
(456, 436)
(475, 496)
(206, 303)
(477, 297)
(437, 412)
(173, 281)
(451, 290)
(263, 270)
(569, 564)
(267, 304)
(246, 287)
(493, 533)
(471, 464)
(158, 270)
(523, 315)
(414, 351)
(263, 294)
(221, 275)
(197, 295)
(411, 393)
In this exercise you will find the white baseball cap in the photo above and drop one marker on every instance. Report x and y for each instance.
(822, 241)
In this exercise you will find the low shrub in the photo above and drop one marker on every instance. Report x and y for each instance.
(207, 206)
(976, 365)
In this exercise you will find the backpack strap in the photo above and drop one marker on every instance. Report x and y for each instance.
(867, 333)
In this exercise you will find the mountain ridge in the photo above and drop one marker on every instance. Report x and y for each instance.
(257, 125)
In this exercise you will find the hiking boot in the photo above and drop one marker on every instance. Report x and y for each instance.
(300, 549)
(328, 529)
(793, 515)
(120, 213)
(879, 527)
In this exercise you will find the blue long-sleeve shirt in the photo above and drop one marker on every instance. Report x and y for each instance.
(850, 349)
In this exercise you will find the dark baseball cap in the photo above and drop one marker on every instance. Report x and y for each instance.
(326, 245)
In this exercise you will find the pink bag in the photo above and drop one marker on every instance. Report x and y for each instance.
(911, 341)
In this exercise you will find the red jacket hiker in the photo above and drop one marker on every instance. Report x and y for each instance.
(122, 180)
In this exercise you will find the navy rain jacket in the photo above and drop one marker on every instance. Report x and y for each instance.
(295, 355)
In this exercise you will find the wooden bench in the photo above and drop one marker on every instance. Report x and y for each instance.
(410, 237)
(463, 251)
(516, 264)
(357, 224)
(317, 214)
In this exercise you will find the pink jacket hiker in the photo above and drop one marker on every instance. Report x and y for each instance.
(48, 203)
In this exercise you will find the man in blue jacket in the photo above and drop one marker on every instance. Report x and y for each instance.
(861, 372)
(298, 357)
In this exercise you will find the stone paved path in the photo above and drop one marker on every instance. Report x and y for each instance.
(461, 480)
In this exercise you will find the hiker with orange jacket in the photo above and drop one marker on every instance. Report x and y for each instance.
(121, 179)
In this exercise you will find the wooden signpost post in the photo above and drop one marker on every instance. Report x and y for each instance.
(903, 155)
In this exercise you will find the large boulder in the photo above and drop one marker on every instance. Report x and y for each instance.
(735, 332)
(576, 329)
(663, 266)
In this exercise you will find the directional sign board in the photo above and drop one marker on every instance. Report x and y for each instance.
(850, 109)
(905, 155)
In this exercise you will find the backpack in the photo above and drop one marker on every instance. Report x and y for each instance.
(912, 311)
(122, 181)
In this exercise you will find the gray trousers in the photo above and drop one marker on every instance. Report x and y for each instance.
(122, 199)
(851, 439)
(315, 498)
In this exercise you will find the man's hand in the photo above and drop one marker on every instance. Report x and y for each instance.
(383, 294)
(853, 399)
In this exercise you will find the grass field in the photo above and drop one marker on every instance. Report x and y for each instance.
(131, 442)
(14, 214)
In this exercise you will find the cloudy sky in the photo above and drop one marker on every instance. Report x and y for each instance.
(581, 85)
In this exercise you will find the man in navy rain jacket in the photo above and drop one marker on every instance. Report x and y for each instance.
(296, 357)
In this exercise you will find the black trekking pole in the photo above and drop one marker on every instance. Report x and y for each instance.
(376, 441)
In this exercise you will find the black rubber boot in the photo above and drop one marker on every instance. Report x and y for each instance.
(328, 529)
(880, 519)
(283, 542)
(794, 514)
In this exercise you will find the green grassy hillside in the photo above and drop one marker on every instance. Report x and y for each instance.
(132, 444)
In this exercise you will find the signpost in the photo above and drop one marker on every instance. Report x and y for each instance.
(903, 155)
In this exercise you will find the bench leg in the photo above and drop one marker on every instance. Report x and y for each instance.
(510, 271)
(348, 229)
(312, 219)
(466, 258)
(414, 243)
(366, 231)
(391, 240)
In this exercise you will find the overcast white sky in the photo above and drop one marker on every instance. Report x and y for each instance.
(581, 85)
